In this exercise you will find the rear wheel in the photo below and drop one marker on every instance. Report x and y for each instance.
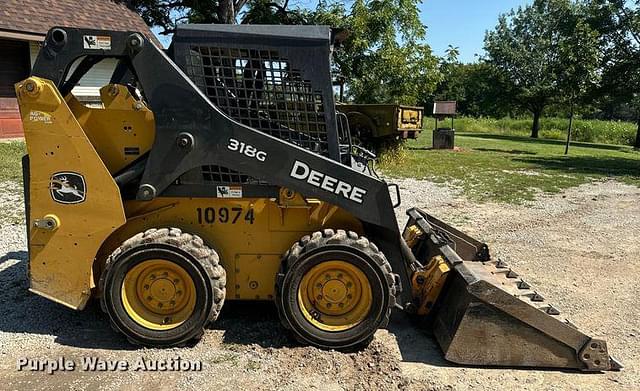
(162, 286)
(334, 290)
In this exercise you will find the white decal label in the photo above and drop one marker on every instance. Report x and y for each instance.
(303, 172)
(97, 42)
(39, 116)
(246, 149)
(229, 191)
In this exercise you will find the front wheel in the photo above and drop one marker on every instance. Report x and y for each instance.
(162, 287)
(334, 290)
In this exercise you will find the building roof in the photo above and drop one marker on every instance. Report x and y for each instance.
(31, 19)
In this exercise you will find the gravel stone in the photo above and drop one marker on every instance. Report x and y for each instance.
(579, 247)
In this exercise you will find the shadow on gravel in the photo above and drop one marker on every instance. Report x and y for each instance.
(23, 312)
(416, 343)
(252, 322)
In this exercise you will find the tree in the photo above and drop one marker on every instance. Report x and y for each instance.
(478, 88)
(579, 51)
(167, 13)
(452, 84)
(384, 58)
(618, 22)
(539, 50)
(270, 12)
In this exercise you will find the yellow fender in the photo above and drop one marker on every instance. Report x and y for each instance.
(74, 203)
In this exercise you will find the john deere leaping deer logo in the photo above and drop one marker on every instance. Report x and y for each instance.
(67, 188)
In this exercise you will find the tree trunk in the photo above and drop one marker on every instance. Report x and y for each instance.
(636, 145)
(226, 13)
(535, 129)
(566, 148)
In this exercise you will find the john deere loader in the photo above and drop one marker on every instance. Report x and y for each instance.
(218, 171)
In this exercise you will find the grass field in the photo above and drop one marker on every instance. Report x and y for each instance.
(11, 180)
(592, 131)
(511, 168)
(487, 166)
(11, 160)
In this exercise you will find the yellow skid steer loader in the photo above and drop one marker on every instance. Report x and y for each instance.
(220, 170)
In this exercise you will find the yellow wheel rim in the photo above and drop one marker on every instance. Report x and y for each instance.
(334, 296)
(158, 294)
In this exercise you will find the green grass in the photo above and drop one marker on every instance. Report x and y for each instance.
(11, 179)
(11, 160)
(495, 167)
(593, 131)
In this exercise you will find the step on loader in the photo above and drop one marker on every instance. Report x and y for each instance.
(220, 170)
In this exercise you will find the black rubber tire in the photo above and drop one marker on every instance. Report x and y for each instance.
(188, 251)
(357, 250)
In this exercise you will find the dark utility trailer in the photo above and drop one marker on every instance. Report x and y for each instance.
(376, 124)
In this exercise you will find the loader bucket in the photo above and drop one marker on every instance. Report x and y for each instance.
(488, 315)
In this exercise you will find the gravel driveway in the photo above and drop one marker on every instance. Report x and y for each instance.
(580, 248)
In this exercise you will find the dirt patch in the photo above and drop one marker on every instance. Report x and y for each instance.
(579, 248)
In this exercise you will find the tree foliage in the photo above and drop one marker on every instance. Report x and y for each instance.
(618, 22)
(272, 12)
(384, 59)
(479, 88)
(166, 14)
(547, 52)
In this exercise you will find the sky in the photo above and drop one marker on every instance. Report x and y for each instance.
(462, 23)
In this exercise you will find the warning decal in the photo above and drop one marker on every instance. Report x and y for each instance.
(97, 42)
(229, 191)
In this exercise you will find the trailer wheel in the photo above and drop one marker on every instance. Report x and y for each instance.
(162, 287)
(334, 290)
